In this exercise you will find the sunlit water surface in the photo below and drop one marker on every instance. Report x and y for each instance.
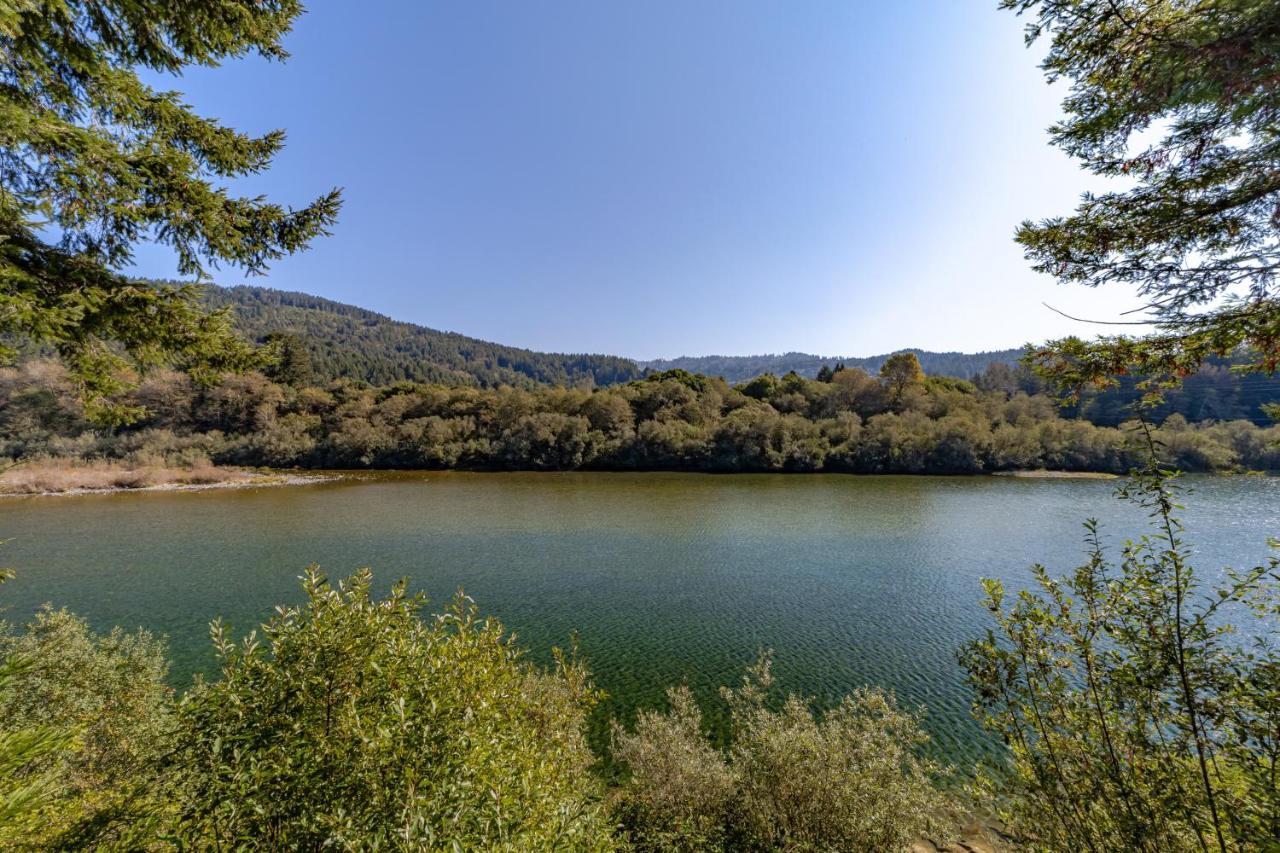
(666, 578)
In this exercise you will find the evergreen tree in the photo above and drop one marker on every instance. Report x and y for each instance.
(94, 160)
(824, 374)
(1197, 229)
(292, 365)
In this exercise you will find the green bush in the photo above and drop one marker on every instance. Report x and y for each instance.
(681, 788)
(1137, 718)
(356, 724)
(106, 698)
(851, 779)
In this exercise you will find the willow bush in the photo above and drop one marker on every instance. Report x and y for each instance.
(99, 710)
(354, 723)
(1137, 716)
(25, 780)
(850, 779)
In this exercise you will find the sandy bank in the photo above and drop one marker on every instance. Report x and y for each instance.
(1042, 474)
(48, 479)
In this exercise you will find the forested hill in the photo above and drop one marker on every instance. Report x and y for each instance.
(741, 368)
(346, 341)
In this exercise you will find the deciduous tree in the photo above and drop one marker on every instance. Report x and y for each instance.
(899, 372)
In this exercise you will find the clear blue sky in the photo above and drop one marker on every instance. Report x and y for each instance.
(664, 178)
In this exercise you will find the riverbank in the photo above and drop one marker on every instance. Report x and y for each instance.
(1043, 474)
(73, 477)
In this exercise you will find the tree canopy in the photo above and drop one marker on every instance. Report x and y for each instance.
(1197, 225)
(900, 372)
(94, 160)
(344, 341)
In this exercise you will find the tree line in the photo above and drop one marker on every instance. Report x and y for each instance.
(345, 342)
(743, 368)
(899, 421)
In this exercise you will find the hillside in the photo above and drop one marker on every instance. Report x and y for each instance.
(351, 342)
(740, 368)
(346, 341)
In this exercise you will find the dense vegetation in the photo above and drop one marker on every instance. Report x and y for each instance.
(1177, 100)
(1217, 390)
(850, 780)
(345, 342)
(744, 368)
(93, 159)
(1136, 718)
(899, 422)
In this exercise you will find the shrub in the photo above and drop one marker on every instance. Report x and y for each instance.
(107, 696)
(681, 788)
(1135, 716)
(354, 723)
(850, 779)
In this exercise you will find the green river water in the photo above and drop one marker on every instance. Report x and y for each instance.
(665, 577)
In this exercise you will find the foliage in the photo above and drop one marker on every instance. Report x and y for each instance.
(1218, 390)
(901, 373)
(103, 701)
(681, 789)
(26, 783)
(851, 779)
(26, 786)
(95, 157)
(355, 724)
(743, 368)
(315, 341)
(292, 363)
(345, 342)
(1137, 717)
(675, 421)
(1197, 228)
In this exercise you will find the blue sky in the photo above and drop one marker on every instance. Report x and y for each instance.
(668, 178)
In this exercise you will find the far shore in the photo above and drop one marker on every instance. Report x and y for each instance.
(51, 479)
(45, 478)
(1043, 474)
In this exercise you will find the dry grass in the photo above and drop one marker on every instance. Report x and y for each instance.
(52, 476)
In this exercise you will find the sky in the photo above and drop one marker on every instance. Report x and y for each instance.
(664, 178)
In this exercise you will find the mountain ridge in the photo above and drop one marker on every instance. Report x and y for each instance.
(348, 341)
(743, 368)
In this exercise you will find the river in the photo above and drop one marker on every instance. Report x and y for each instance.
(665, 578)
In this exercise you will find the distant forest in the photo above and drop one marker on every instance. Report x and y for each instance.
(900, 421)
(742, 368)
(346, 342)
